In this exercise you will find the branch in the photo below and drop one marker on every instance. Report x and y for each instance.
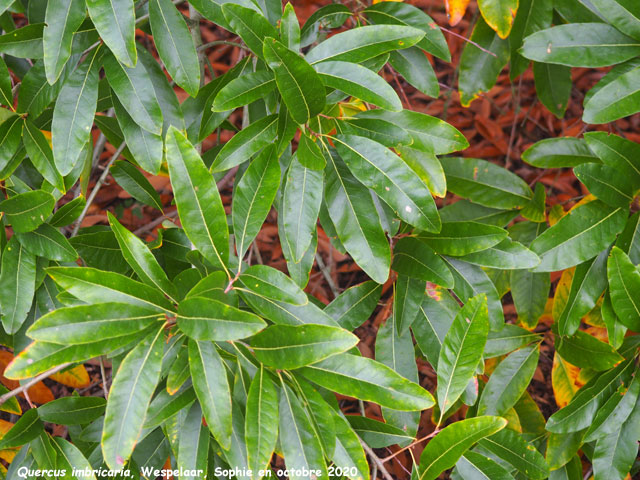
(32, 382)
(376, 460)
(96, 188)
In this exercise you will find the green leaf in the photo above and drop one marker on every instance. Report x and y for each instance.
(622, 14)
(10, 135)
(470, 281)
(582, 409)
(26, 211)
(359, 82)
(368, 380)
(175, 45)
(252, 28)
(300, 86)
(615, 454)
(96, 286)
(396, 351)
(249, 141)
(74, 112)
(290, 28)
(298, 441)
(588, 282)
(107, 14)
(207, 319)
(606, 183)
(381, 131)
(212, 388)
(39, 357)
(616, 100)
(196, 194)
(289, 346)
(480, 66)
(6, 93)
(508, 381)
(193, 443)
(407, 14)
(360, 44)
(17, 284)
(559, 152)
(41, 155)
(261, 422)
(359, 231)
(579, 236)
(252, 198)
(134, 89)
(588, 45)
(513, 448)
(46, 241)
(584, 350)
(92, 323)
(300, 207)
(244, 90)
(624, 279)
(25, 42)
(377, 434)
(129, 398)
(136, 184)
(73, 457)
(462, 238)
(446, 448)
(510, 338)
(430, 134)
(28, 427)
(391, 178)
(270, 283)
(407, 296)
(72, 410)
(415, 68)
(63, 18)
(506, 255)
(616, 152)
(144, 146)
(414, 258)
(485, 183)
(472, 465)
(461, 351)
(614, 411)
(67, 213)
(354, 305)
(139, 256)
(553, 86)
(332, 15)
(348, 451)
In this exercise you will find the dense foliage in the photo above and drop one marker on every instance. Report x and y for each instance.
(218, 360)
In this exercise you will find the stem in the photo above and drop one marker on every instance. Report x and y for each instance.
(426, 437)
(468, 41)
(204, 46)
(96, 188)
(32, 382)
(376, 460)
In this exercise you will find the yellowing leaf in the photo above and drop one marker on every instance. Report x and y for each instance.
(39, 393)
(76, 377)
(455, 10)
(563, 380)
(562, 292)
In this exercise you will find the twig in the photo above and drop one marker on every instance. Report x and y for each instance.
(327, 275)
(32, 382)
(221, 42)
(420, 440)
(468, 41)
(104, 378)
(153, 224)
(96, 188)
(376, 460)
